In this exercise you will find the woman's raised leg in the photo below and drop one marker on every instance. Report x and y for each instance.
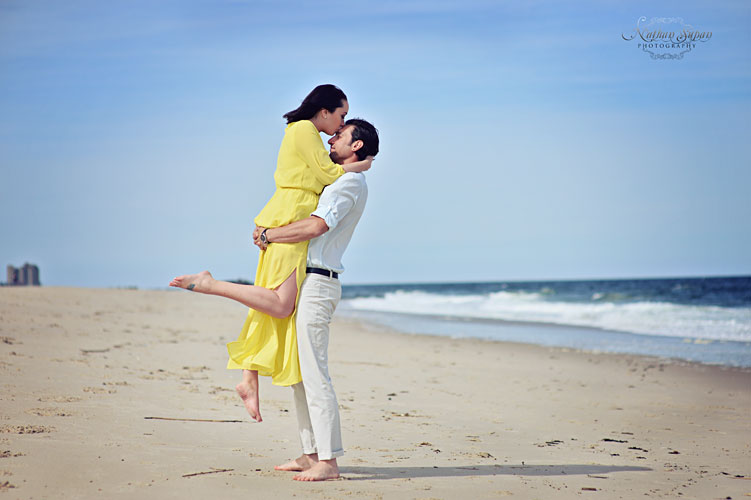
(279, 302)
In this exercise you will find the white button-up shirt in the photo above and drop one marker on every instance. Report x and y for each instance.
(341, 205)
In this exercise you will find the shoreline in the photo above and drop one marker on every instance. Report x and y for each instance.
(721, 352)
(423, 416)
(370, 324)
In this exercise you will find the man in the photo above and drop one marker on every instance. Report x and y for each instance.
(329, 230)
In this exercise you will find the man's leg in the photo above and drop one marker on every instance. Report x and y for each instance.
(318, 299)
(309, 455)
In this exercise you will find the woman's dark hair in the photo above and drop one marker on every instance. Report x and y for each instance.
(325, 96)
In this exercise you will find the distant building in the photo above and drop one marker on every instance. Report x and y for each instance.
(28, 275)
(12, 275)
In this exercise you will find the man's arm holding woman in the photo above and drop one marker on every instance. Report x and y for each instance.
(302, 230)
(335, 203)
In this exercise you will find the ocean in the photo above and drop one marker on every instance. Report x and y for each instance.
(706, 320)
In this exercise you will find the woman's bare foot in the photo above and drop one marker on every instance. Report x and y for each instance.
(321, 471)
(200, 282)
(301, 463)
(249, 395)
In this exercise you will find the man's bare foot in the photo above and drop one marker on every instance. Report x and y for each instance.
(321, 471)
(301, 463)
(200, 282)
(249, 396)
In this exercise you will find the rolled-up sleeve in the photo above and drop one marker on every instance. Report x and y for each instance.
(313, 153)
(337, 200)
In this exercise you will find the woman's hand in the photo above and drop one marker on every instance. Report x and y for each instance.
(359, 166)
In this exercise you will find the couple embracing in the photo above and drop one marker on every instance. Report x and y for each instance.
(302, 232)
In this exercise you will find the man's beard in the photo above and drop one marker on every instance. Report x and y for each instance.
(335, 157)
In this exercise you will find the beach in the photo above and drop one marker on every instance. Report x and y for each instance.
(116, 393)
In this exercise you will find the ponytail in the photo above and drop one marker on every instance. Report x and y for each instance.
(327, 96)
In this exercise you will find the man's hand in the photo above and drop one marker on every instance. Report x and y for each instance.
(257, 238)
(296, 232)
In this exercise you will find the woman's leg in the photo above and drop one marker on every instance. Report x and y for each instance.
(279, 302)
(248, 391)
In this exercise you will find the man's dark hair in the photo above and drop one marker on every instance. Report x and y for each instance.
(365, 132)
(325, 96)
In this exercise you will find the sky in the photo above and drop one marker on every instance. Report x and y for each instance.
(519, 140)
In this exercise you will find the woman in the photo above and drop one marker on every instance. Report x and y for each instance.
(268, 341)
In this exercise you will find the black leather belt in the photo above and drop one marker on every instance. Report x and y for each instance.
(322, 272)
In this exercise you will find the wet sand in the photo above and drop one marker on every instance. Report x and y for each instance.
(99, 388)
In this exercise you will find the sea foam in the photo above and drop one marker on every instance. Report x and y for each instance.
(649, 318)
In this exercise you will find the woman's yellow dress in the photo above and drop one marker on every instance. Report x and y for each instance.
(303, 169)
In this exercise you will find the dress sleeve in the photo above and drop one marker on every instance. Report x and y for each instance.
(311, 150)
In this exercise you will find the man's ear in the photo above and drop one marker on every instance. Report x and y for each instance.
(357, 145)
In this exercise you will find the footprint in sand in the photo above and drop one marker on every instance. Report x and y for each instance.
(228, 398)
(25, 429)
(99, 390)
(159, 374)
(187, 386)
(59, 399)
(193, 371)
(123, 383)
(5, 486)
(49, 412)
(217, 389)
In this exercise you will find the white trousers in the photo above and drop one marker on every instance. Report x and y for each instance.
(315, 400)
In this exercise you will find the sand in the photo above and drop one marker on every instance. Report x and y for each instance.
(423, 417)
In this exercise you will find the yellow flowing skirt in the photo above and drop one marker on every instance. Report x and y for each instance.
(269, 344)
(266, 343)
